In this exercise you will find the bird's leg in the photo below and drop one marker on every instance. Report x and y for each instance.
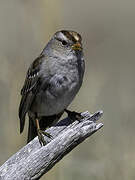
(74, 115)
(41, 133)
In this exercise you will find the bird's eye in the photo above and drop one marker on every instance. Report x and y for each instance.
(64, 42)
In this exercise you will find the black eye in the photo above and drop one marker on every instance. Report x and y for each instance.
(64, 42)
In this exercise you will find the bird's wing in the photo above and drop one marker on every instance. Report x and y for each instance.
(30, 89)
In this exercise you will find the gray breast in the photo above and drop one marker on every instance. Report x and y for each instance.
(61, 90)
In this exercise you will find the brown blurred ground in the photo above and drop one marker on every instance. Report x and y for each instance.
(108, 30)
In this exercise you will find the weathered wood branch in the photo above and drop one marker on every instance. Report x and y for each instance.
(32, 161)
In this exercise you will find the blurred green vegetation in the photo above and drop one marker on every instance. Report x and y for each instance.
(107, 28)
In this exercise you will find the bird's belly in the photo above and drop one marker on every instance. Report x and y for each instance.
(55, 99)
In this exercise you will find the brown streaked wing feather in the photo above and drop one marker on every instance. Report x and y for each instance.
(32, 75)
(29, 90)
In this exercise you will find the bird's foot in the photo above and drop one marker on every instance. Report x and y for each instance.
(74, 115)
(41, 137)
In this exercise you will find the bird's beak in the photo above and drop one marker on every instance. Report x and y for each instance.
(77, 46)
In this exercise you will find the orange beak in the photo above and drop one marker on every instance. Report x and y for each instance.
(77, 46)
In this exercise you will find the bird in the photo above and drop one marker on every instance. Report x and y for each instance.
(52, 81)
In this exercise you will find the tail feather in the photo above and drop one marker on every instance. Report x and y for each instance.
(32, 131)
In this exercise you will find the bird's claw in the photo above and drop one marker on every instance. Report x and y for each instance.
(74, 115)
(41, 137)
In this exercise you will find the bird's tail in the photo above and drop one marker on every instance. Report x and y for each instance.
(32, 131)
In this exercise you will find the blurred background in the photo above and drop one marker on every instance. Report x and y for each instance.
(108, 31)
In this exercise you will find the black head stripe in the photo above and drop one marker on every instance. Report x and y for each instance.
(73, 36)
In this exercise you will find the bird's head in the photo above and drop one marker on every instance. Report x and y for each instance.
(66, 42)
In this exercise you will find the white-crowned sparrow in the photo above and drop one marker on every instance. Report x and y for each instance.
(51, 83)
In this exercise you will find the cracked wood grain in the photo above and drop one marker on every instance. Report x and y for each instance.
(33, 161)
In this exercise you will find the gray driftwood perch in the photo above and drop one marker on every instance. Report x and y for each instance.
(33, 161)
